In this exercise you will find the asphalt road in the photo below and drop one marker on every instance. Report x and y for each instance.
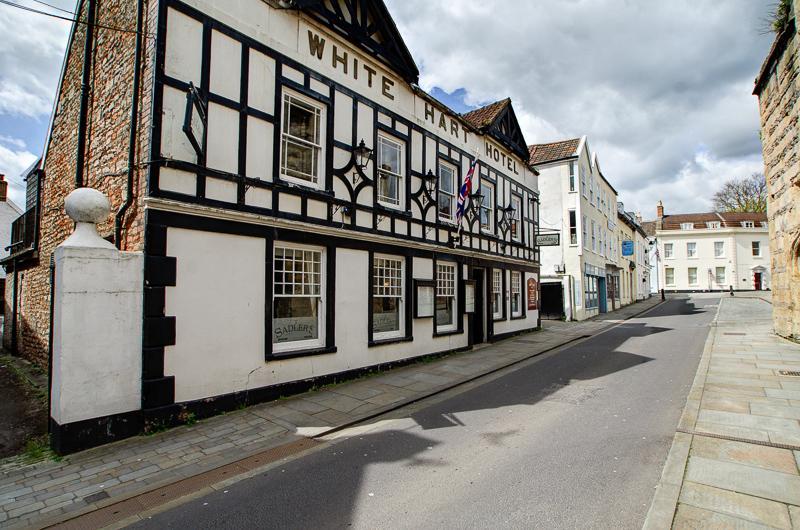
(576, 438)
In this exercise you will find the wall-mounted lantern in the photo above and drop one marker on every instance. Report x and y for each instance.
(362, 155)
(506, 217)
(429, 181)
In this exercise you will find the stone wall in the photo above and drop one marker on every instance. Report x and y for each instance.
(106, 159)
(778, 94)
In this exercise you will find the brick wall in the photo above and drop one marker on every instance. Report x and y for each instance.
(780, 107)
(106, 158)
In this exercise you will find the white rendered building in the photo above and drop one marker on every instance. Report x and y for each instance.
(711, 251)
(582, 276)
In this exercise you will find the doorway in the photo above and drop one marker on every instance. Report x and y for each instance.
(552, 301)
(602, 293)
(478, 319)
(757, 281)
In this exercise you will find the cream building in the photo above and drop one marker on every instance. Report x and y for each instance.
(583, 276)
(712, 251)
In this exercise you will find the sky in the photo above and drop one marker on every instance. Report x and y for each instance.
(661, 89)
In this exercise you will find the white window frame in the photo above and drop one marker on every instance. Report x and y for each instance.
(689, 276)
(755, 248)
(445, 218)
(487, 205)
(693, 253)
(516, 291)
(585, 231)
(319, 342)
(583, 182)
(572, 217)
(721, 246)
(716, 275)
(497, 293)
(450, 288)
(713, 224)
(376, 289)
(572, 176)
(669, 251)
(687, 226)
(401, 195)
(748, 224)
(321, 111)
(516, 220)
(666, 275)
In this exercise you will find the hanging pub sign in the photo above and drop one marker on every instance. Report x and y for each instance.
(533, 294)
(627, 248)
(548, 240)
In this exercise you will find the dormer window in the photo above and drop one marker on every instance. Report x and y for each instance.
(687, 226)
(712, 224)
(764, 224)
(748, 224)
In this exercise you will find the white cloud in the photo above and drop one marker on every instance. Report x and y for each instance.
(651, 83)
(14, 159)
(31, 52)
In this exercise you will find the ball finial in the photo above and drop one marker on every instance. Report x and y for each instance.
(87, 205)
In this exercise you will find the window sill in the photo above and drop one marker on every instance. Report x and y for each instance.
(392, 209)
(499, 319)
(393, 340)
(519, 317)
(279, 356)
(287, 183)
(446, 333)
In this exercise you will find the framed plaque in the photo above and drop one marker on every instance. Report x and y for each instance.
(425, 299)
(533, 294)
(469, 296)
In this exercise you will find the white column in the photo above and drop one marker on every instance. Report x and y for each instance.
(97, 319)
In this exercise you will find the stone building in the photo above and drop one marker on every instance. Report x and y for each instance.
(295, 196)
(778, 87)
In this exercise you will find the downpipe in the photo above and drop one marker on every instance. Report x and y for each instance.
(84, 106)
(137, 73)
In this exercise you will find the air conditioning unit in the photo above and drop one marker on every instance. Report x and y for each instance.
(561, 269)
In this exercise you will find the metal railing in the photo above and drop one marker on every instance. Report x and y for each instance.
(23, 232)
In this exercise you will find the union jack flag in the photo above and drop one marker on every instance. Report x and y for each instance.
(466, 190)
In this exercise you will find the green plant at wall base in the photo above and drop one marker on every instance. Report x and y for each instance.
(38, 449)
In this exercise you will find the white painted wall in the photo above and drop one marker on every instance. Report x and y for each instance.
(97, 333)
(738, 260)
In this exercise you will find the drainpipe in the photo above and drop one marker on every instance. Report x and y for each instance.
(137, 72)
(14, 311)
(84, 107)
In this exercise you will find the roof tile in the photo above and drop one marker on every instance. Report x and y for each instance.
(543, 153)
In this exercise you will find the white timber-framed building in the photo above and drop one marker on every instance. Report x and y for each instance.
(299, 211)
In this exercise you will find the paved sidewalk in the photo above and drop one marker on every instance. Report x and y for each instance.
(49, 492)
(734, 459)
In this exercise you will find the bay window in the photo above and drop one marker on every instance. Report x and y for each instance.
(298, 311)
(387, 297)
(302, 140)
(446, 297)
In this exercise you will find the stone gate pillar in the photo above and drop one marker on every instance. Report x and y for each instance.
(95, 393)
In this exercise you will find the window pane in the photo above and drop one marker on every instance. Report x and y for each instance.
(385, 315)
(444, 311)
(445, 206)
(302, 121)
(388, 185)
(295, 318)
(299, 160)
(446, 179)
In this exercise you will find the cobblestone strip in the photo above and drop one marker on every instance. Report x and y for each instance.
(85, 481)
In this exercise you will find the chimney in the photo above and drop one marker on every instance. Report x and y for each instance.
(660, 210)
(3, 188)
(639, 218)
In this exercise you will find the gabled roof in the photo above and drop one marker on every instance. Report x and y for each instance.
(499, 121)
(544, 153)
(370, 26)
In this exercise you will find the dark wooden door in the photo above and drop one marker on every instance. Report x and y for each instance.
(479, 316)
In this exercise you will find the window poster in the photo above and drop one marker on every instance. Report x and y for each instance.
(424, 307)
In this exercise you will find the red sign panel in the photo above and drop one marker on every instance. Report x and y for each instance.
(533, 294)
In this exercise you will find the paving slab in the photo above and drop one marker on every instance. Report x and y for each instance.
(740, 469)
